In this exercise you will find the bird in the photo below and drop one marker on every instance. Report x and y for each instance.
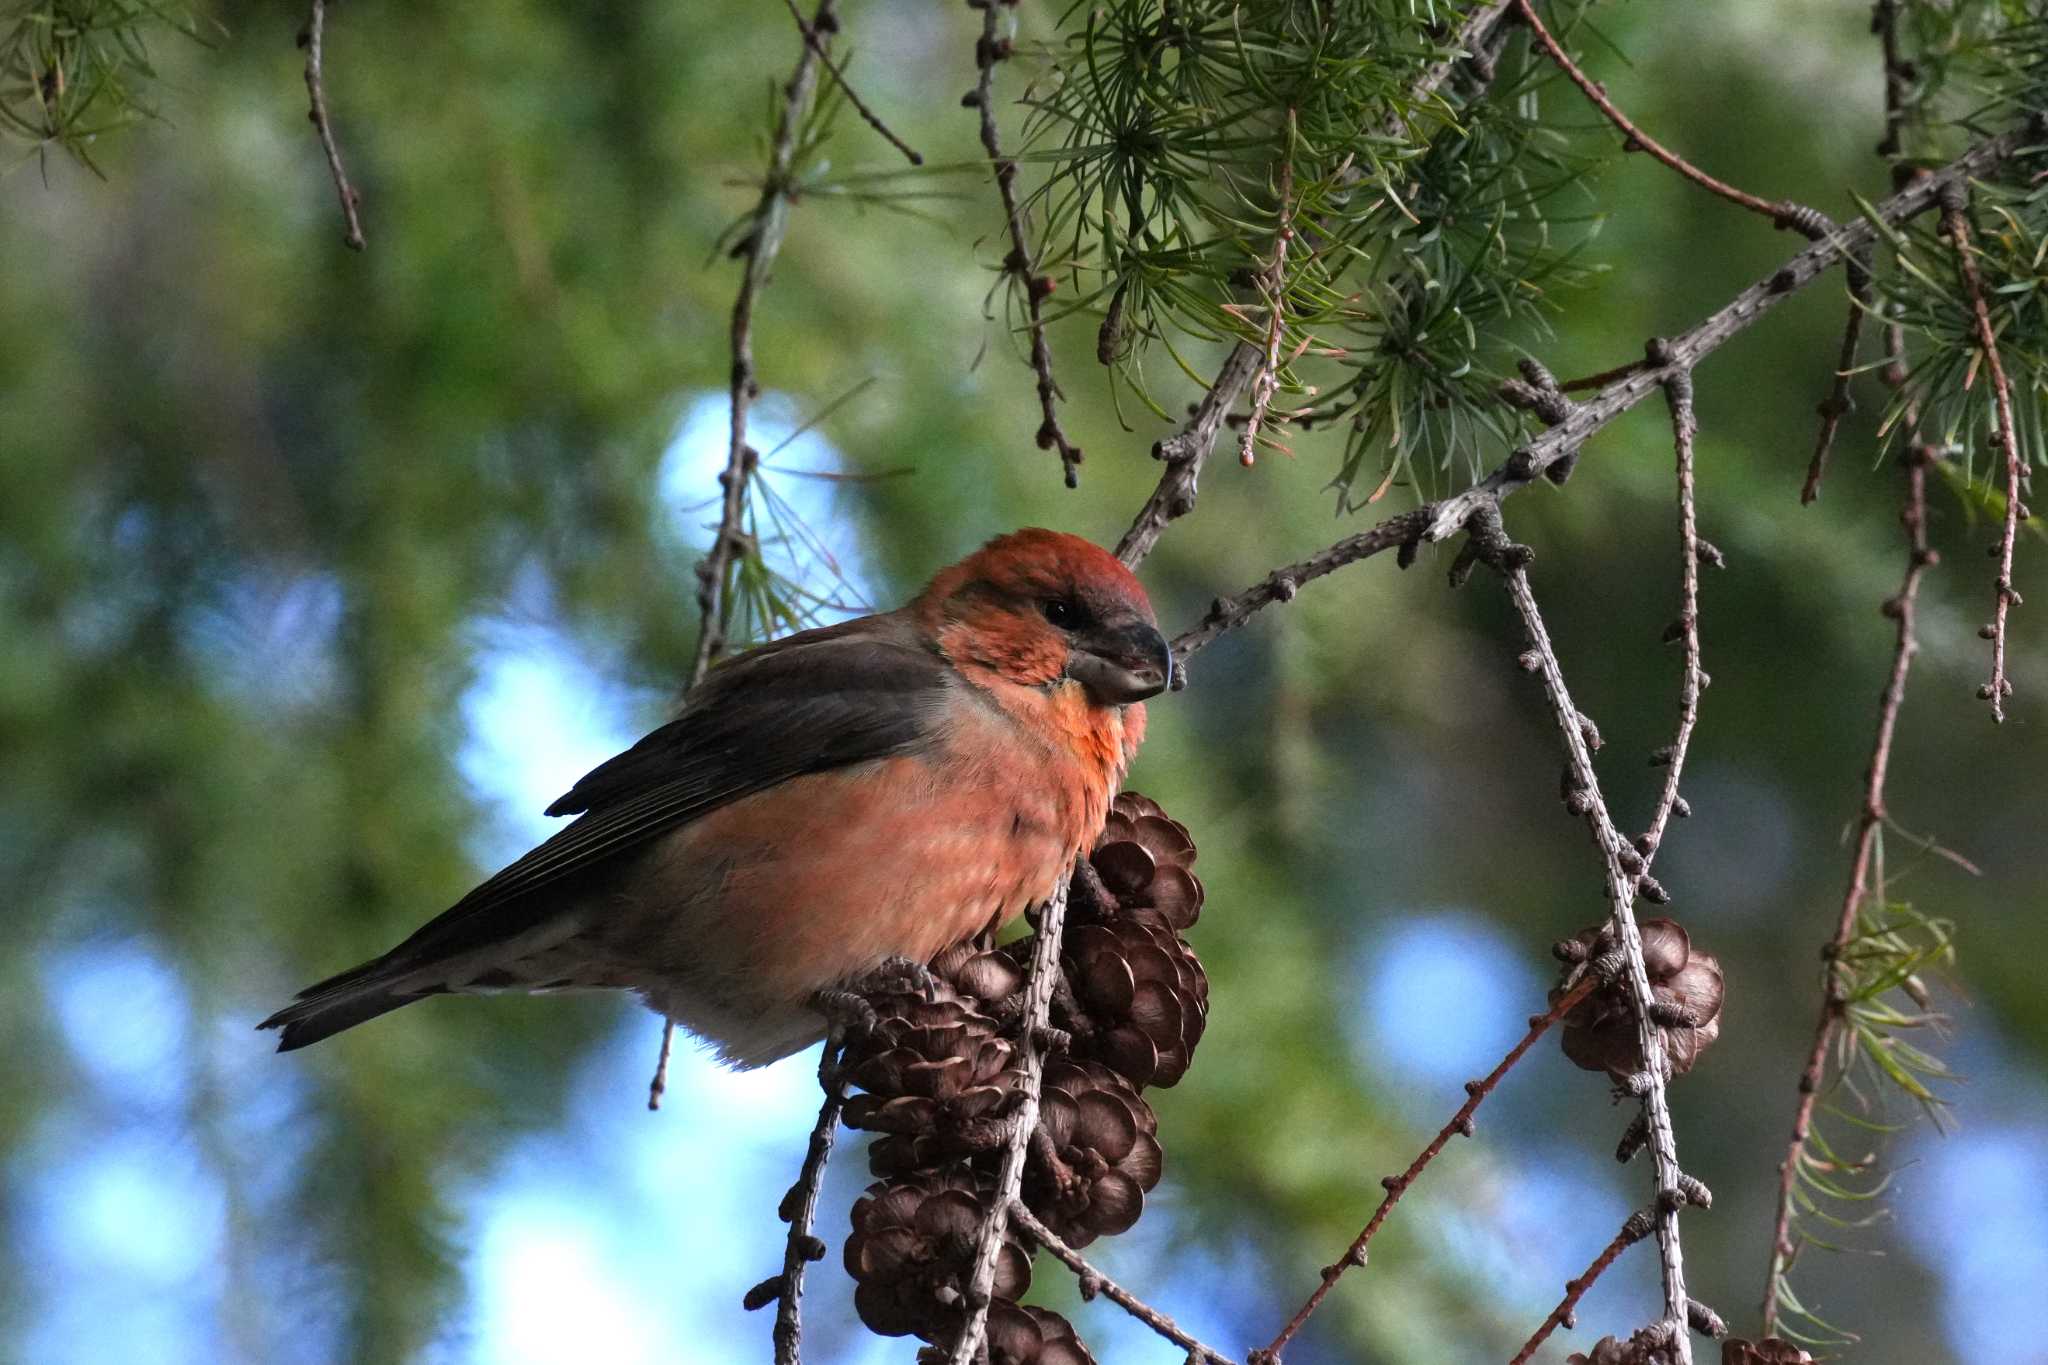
(824, 807)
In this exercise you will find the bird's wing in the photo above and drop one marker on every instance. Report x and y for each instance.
(817, 700)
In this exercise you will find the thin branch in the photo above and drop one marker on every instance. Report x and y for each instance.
(1565, 1315)
(1684, 428)
(1956, 223)
(1622, 866)
(1884, 22)
(1783, 213)
(1273, 283)
(1021, 264)
(1031, 1047)
(1838, 404)
(799, 1208)
(1901, 608)
(1397, 1185)
(1093, 1282)
(1185, 451)
(316, 90)
(814, 37)
(1438, 520)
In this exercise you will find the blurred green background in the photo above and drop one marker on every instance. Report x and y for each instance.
(321, 573)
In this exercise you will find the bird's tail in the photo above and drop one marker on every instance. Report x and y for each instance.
(341, 1002)
(549, 953)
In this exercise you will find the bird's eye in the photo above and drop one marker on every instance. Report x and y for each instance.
(1062, 613)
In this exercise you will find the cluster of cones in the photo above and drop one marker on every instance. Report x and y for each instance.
(940, 1072)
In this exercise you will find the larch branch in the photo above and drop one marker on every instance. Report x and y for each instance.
(1094, 1282)
(1023, 1122)
(1435, 521)
(314, 40)
(1870, 819)
(1956, 223)
(1021, 264)
(1397, 1185)
(1622, 867)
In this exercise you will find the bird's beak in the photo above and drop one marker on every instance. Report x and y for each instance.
(1122, 664)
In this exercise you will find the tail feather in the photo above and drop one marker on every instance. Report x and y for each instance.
(537, 959)
(341, 1002)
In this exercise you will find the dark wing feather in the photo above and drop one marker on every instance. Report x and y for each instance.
(818, 700)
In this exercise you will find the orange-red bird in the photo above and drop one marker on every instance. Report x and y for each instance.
(877, 790)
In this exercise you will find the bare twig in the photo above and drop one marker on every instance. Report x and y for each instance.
(1838, 404)
(799, 1208)
(1633, 1229)
(1622, 866)
(1397, 1185)
(1956, 223)
(316, 90)
(1684, 428)
(1783, 214)
(816, 39)
(1438, 520)
(1093, 1282)
(1021, 264)
(1184, 453)
(1900, 607)
(1884, 22)
(1023, 1122)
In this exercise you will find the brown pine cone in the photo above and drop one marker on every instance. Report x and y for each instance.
(1143, 859)
(1142, 997)
(988, 976)
(1600, 1032)
(1098, 1156)
(911, 1255)
(1769, 1351)
(937, 1073)
(1019, 1334)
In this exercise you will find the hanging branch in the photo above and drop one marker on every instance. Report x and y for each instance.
(799, 1209)
(1021, 264)
(1684, 428)
(1783, 214)
(1870, 821)
(312, 40)
(1031, 1048)
(1554, 449)
(1623, 866)
(1898, 81)
(1397, 1185)
(1565, 1315)
(1093, 1282)
(1838, 404)
(1956, 223)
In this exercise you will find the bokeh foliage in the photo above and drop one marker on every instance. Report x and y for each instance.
(257, 495)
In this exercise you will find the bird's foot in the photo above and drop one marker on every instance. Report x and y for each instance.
(895, 974)
(845, 1006)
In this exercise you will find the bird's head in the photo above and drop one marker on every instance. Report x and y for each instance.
(1036, 607)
